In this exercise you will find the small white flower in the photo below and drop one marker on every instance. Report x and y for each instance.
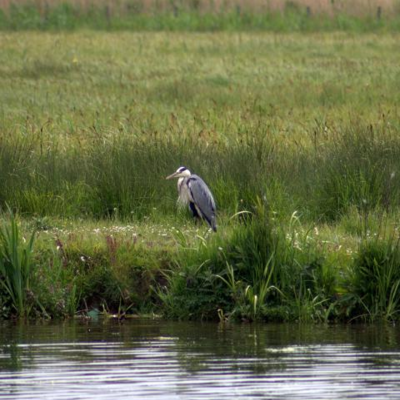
(297, 246)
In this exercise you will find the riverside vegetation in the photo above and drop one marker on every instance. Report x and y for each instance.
(296, 135)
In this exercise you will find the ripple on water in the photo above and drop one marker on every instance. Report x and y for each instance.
(197, 362)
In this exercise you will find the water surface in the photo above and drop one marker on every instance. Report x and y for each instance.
(171, 360)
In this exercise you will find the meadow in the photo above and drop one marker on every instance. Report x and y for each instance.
(297, 136)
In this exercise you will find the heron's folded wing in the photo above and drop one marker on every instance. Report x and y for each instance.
(202, 198)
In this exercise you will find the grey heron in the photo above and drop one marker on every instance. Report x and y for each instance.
(194, 192)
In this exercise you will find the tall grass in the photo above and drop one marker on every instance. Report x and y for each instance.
(359, 170)
(124, 176)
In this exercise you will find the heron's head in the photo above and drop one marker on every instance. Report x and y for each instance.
(181, 172)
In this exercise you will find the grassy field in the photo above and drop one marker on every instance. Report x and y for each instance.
(296, 135)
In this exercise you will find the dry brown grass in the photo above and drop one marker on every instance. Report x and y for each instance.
(328, 7)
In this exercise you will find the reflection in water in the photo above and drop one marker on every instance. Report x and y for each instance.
(171, 360)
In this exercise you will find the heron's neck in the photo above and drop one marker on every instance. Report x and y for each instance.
(180, 181)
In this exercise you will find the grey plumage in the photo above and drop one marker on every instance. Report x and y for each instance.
(203, 200)
(194, 192)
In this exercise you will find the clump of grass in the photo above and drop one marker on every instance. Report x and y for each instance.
(376, 280)
(191, 289)
(16, 266)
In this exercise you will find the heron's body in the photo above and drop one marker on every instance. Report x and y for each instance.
(194, 193)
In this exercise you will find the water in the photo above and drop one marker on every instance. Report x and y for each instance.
(145, 359)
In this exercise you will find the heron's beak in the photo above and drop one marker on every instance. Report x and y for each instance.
(172, 175)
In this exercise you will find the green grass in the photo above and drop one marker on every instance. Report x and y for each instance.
(296, 135)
